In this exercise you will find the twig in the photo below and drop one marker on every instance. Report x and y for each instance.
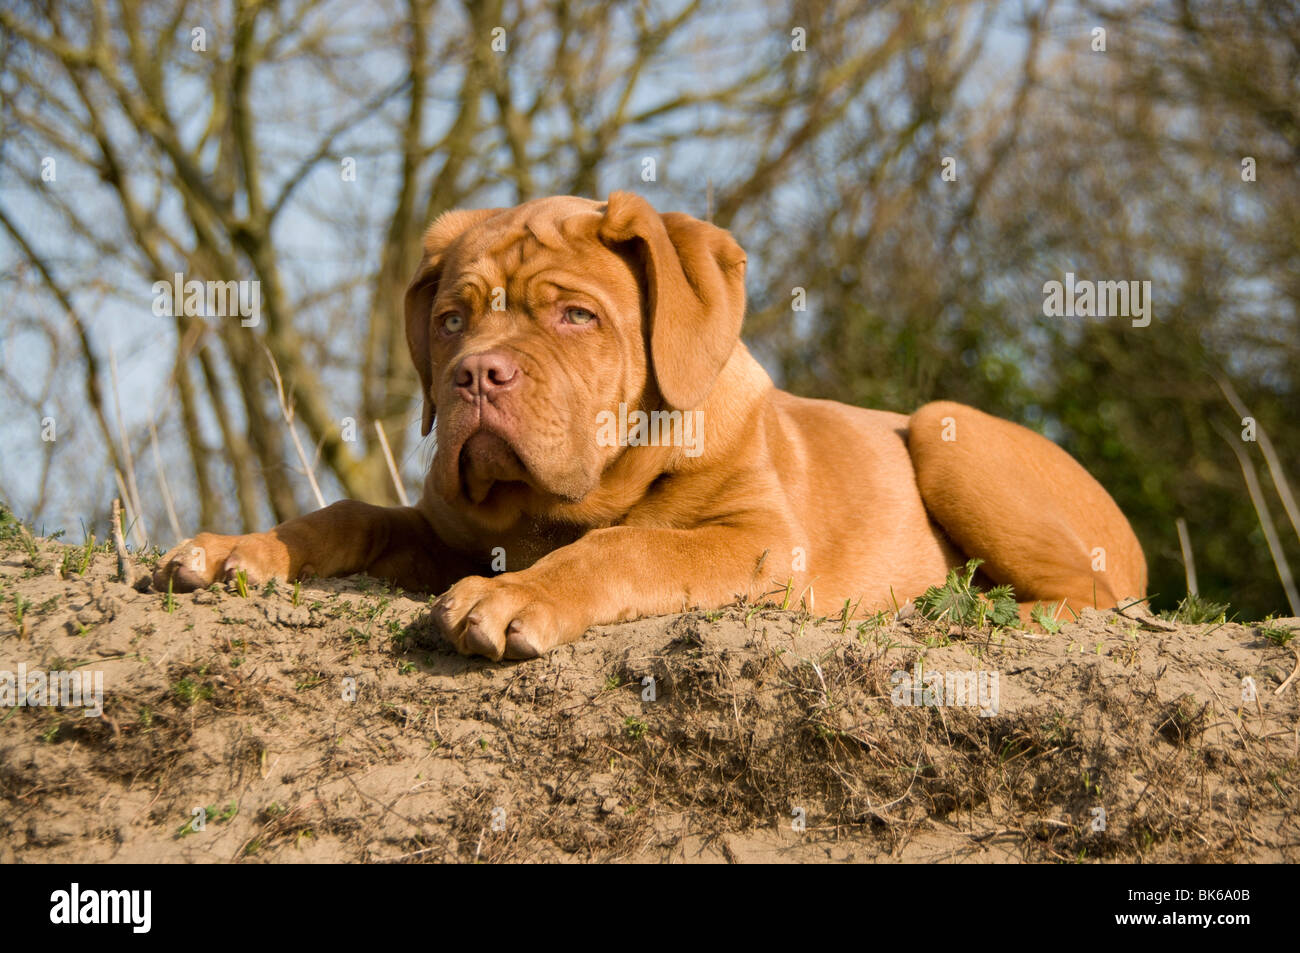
(1189, 560)
(1290, 678)
(1265, 519)
(1270, 455)
(128, 464)
(287, 412)
(126, 499)
(407, 856)
(118, 542)
(880, 811)
(1120, 609)
(392, 465)
(1145, 619)
(1235, 722)
(162, 482)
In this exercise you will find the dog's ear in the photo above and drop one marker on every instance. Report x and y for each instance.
(695, 287)
(420, 293)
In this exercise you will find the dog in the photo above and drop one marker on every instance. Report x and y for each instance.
(607, 448)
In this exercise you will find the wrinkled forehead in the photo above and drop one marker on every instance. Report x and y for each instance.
(559, 225)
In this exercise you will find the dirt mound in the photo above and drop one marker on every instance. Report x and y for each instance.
(326, 723)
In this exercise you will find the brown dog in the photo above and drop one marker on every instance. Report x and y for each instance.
(603, 432)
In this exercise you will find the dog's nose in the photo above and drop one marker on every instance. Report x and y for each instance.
(486, 375)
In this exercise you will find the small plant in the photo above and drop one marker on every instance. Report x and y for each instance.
(169, 600)
(873, 623)
(375, 611)
(269, 589)
(297, 593)
(612, 682)
(826, 733)
(961, 602)
(1275, 633)
(1089, 786)
(24, 536)
(1197, 610)
(1045, 615)
(406, 668)
(213, 813)
(85, 555)
(10, 527)
(635, 727)
(846, 614)
(21, 606)
(241, 583)
(189, 691)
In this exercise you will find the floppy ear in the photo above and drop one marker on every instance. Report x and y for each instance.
(695, 286)
(420, 293)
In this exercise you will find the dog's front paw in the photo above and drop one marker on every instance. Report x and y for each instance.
(504, 617)
(209, 557)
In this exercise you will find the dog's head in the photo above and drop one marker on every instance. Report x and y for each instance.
(526, 323)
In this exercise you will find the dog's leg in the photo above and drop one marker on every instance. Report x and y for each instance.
(1022, 504)
(394, 543)
(609, 575)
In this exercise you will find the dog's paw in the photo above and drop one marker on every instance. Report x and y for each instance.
(503, 617)
(207, 558)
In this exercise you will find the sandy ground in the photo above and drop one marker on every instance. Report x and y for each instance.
(330, 725)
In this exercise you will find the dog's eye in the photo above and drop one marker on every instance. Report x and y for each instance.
(578, 316)
(452, 322)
